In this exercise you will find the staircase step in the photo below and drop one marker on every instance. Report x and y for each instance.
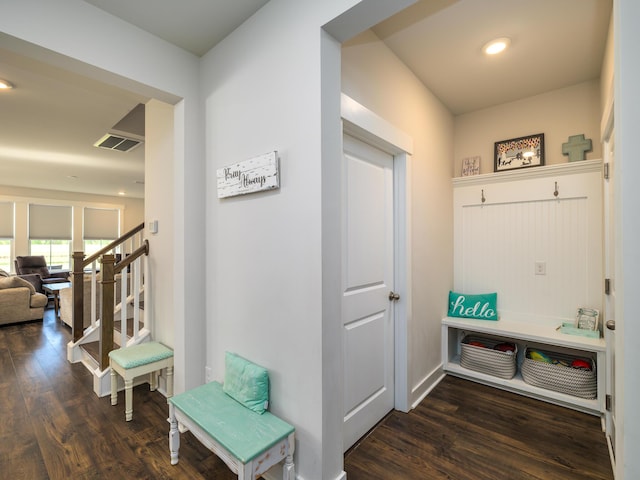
(92, 349)
(117, 326)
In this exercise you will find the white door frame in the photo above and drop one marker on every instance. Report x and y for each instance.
(606, 131)
(361, 123)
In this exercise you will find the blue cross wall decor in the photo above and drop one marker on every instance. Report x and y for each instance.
(577, 147)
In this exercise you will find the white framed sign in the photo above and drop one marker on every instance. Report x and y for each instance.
(253, 175)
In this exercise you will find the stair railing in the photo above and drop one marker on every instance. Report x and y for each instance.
(82, 266)
(109, 271)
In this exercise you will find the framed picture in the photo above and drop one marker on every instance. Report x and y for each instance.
(470, 166)
(587, 319)
(522, 152)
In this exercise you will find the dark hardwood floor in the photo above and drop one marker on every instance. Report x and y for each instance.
(54, 427)
(466, 431)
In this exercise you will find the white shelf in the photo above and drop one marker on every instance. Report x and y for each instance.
(544, 332)
(523, 332)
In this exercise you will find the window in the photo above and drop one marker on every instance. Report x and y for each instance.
(100, 227)
(6, 235)
(50, 233)
(5, 254)
(92, 246)
(56, 252)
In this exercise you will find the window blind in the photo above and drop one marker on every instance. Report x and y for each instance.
(101, 224)
(49, 222)
(6, 219)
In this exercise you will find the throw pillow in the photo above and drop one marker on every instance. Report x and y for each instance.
(483, 307)
(15, 282)
(246, 382)
(4, 274)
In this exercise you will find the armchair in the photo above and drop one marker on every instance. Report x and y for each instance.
(34, 269)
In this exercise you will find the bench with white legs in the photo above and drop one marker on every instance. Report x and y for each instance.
(233, 423)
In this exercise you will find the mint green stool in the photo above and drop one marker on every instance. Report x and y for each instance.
(137, 360)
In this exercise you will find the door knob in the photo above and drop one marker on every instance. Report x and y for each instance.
(611, 324)
(394, 296)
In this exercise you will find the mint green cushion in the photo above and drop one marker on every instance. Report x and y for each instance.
(246, 382)
(241, 431)
(483, 307)
(141, 354)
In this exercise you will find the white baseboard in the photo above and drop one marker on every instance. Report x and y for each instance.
(422, 389)
(276, 474)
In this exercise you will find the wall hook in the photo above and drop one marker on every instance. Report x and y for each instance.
(555, 193)
(482, 198)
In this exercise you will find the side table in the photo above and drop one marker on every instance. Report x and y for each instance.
(53, 289)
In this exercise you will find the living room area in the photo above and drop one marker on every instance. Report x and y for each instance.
(39, 231)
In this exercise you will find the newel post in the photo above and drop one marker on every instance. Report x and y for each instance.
(77, 322)
(106, 319)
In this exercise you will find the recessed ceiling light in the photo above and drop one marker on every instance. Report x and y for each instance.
(496, 46)
(5, 85)
(122, 192)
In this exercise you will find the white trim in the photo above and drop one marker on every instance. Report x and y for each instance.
(275, 473)
(424, 386)
(567, 168)
(365, 125)
(606, 123)
(59, 202)
(362, 123)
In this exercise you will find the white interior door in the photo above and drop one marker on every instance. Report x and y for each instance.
(367, 280)
(610, 298)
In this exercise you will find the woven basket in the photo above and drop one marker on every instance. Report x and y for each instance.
(557, 377)
(486, 360)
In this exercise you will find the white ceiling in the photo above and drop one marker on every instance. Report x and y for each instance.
(51, 119)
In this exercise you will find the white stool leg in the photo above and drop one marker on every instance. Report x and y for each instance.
(114, 387)
(153, 381)
(174, 435)
(128, 399)
(170, 381)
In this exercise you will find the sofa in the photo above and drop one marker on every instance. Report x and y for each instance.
(33, 268)
(19, 301)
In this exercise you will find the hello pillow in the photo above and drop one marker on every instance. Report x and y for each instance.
(483, 307)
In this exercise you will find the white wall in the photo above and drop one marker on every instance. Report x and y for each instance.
(264, 90)
(373, 76)
(76, 36)
(558, 114)
(627, 234)
(159, 148)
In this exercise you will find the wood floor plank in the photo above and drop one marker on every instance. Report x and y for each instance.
(57, 428)
(467, 431)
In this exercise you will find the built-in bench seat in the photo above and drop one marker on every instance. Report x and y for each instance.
(250, 443)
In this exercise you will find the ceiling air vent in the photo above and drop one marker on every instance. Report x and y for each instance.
(117, 142)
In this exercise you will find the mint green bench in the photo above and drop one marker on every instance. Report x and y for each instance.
(135, 361)
(250, 443)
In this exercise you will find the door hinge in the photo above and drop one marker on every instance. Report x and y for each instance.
(608, 402)
(606, 170)
(607, 286)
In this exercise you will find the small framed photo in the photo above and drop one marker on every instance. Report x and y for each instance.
(587, 319)
(470, 166)
(519, 152)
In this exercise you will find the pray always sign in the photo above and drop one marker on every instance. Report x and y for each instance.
(253, 175)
